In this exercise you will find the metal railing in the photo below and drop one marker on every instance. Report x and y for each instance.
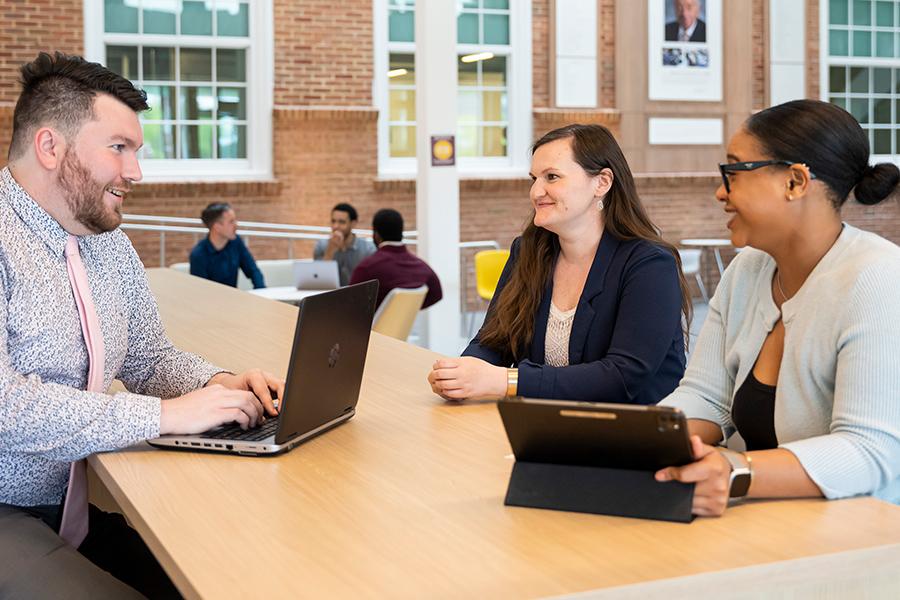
(251, 229)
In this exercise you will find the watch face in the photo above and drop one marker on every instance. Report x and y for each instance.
(740, 484)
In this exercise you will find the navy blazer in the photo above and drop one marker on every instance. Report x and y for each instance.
(626, 344)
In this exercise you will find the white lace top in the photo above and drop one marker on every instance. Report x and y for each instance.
(556, 344)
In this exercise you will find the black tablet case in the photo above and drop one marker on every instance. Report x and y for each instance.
(597, 458)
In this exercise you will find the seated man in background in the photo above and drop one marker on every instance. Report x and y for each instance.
(393, 265)
(343, 246)
(219, 256)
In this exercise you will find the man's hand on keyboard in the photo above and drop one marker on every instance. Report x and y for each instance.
(261, 383)
(209, 407)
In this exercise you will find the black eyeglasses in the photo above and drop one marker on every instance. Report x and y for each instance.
(727, 168)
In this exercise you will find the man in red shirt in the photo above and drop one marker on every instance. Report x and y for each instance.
(392, 264)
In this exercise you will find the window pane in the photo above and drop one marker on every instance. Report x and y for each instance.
(837, 13)
(196, 141)
(232, 19)
(859, 80)
(232, 140)
(196, 18)
(494, 141)
(838, 44)
(882, 141)
(159, 64)
(467, 74)
(401, 26)
(862, 12)
(496, 3)
(231, 65)
(882, 110)
(232, 103)
(161, 18)
(836, 80)
(467, 140)
(494, 106)
(159, 140)
(838, 101)
(161, 99)
(493, 71)
(496, 29)
(122, 60)
(402, 105)
(897, 81)
(196, 64)
(119, 18)
(470, 3)
(197, 103)
(884, 14)
(405, 62)
(402, 140)
(467, 105)
(881, 81)
(862, 43)
(884, 44)
(859, 108)
(467, 28)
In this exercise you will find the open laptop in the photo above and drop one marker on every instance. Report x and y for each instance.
(323, 381)
(316, 275)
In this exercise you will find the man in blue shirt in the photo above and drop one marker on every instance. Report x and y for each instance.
(218, 256)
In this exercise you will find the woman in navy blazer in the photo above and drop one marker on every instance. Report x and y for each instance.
(592, 251)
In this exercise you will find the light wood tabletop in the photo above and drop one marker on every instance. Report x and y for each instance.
(406, 500)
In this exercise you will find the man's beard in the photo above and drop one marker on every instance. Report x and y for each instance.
(84, 196)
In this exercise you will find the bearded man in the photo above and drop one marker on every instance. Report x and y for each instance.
(76, 312)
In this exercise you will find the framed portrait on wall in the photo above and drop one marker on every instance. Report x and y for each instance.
(685, 50)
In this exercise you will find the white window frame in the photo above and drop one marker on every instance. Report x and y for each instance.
(260, 48)
(519, 97)
(826, 61)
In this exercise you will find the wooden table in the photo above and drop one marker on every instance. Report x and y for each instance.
(406, 500)
(287, 293)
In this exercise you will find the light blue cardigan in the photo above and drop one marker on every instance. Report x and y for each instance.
(837, 404)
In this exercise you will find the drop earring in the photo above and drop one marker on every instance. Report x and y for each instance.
(600, 204)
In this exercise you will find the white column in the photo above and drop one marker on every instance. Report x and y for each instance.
(437, 188)
(787, 50)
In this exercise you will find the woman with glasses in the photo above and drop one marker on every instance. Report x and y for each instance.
(798, 353)
(591, 303)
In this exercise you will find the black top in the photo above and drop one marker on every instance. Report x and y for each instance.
(753, 413)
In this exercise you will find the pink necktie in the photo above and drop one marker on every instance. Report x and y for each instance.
(74, 525)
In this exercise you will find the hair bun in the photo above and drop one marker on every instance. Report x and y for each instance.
(876, 183)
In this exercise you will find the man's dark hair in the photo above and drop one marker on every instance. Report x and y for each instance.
(59, 90)
(388, 224)
(214, 212)
(347, 208)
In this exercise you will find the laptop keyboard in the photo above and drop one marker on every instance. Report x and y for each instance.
(234, 431)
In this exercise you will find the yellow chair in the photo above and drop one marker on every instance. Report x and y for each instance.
(488, 267)
(398, 311)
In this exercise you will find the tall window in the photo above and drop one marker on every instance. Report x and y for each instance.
(194, 60)
(862, 66)
(494, 95)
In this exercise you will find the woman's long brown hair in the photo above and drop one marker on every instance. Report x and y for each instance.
(509, 327)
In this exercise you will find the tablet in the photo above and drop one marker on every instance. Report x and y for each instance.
(622, 436)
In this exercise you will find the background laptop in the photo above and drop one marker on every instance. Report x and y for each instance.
(324, 377)
(316, 275)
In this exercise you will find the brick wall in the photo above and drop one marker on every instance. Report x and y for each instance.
(540, 53)
(27, 27)
(323, 52)
(760, 54)
(606, 55)
(812, 49)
